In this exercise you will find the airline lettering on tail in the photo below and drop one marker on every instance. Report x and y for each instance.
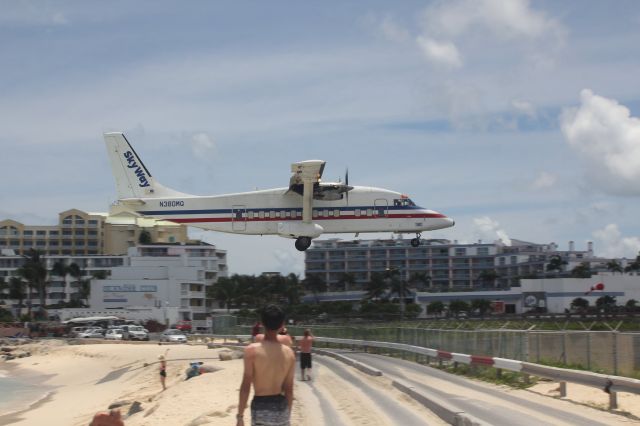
(131, 163)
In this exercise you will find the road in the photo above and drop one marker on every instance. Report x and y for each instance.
(340, 395)
(488, 403)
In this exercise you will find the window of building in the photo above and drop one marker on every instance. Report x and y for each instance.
(369, 212)
(53, 243)
(315, 213)
(41, 243)
(41, 232)
(53, 233)
(261, 214)
(272, 214)
(28, 243)
(67, 220)
(502, 261)
(93, 222)
(357, 212)
(336, 213)
(249, 215)
(330, 213)
(483, 251)
(79, 232)
(514, 260)
(325, 213)
(28, 233)
(461, 251)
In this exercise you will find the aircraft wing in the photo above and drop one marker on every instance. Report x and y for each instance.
(305, 170)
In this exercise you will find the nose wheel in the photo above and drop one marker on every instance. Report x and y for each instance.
(415, 242)
(303, 243)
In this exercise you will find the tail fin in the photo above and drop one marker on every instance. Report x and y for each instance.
(133, 180)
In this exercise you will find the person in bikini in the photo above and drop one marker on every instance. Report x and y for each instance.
(269, 366)
(163, 369)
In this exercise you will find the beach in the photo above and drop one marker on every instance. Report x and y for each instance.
(88, 378)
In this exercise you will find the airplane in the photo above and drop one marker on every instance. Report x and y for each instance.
(305, 210)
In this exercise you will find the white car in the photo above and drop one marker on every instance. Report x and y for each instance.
(137, 332)
(92, 333)
(114, 334)
(173, 336)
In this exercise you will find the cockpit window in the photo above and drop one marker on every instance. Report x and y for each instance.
(403, 202)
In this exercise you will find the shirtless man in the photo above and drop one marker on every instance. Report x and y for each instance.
(305, 353)
(268, 365)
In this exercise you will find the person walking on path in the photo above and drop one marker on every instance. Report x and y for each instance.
(269, 366)
(305, 345)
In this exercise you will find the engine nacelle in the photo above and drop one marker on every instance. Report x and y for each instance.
(299, 229)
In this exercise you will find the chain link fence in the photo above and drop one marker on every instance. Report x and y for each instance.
(609, 352)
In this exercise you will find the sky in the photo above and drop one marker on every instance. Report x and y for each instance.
(519, 119)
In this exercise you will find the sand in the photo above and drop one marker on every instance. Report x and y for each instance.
(88, 378)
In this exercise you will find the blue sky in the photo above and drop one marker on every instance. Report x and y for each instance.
(518, 119)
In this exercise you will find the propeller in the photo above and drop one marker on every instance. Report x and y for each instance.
(346, 182)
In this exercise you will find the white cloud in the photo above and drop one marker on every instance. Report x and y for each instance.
(544, 180)
(203, 146)
(488, 229)
(442, 53)
(607, 138)
(505, 19)
(613, 244)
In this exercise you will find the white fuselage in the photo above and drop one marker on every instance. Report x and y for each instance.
(261, 212)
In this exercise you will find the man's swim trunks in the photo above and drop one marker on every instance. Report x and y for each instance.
(305, 360)
(271, 410)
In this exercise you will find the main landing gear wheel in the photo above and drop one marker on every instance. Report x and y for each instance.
(303, 243)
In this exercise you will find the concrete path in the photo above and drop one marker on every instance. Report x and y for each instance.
(491, 404)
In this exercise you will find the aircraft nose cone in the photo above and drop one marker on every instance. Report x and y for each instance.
(449, 222)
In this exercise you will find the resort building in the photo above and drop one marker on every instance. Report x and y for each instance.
(156, 278)
(79, 233)
(439, 265)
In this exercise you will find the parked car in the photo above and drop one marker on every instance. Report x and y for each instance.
(173, 335)
(92, 333)
(75, 331)
(184, 326)
(135, 332)
(114, 334)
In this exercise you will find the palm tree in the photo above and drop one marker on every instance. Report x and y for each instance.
(607, 303)
(293, 289)
(315, 284)
(3, 286)
(420, 280)
(224, 291)
(583, 270)
(457, 306)
(556, 263)
(85, 290)
(376, 287)
(435, 307)
(346, 281)
(488, 277)
(35, 273)
(17, 292)
(481, 305)
(76, 273)
(580, 304)
(614, 266)
(634, 266)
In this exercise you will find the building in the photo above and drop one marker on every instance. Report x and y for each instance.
(167, 279)
(79, 233)
(439, 264)
(163, 277)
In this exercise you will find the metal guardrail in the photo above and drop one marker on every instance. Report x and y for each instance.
(608, 383)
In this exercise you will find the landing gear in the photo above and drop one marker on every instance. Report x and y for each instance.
(303, 243)
(415, 242)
